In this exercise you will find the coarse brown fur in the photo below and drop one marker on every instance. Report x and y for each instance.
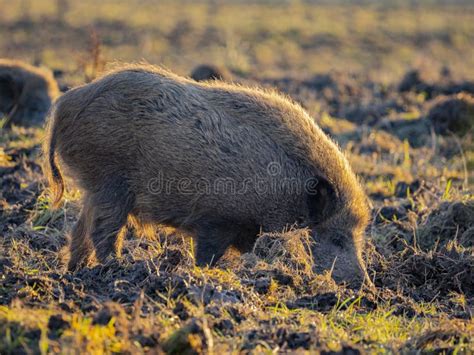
(218, 161)
(26, 93)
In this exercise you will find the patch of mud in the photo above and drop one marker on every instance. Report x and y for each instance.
(426, 253)
(450, 221)
(21, 184)
(426, 276)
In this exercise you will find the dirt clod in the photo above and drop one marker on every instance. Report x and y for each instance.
(453, 113)
(292, 248)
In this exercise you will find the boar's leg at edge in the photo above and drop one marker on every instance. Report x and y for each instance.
(81, 245)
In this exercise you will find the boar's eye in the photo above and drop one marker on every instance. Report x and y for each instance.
(320, 196)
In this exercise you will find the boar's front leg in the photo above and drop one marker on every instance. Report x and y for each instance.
(213, 239)
(111, 206)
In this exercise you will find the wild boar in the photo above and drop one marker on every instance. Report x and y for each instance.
(222, 163)
(26, 93)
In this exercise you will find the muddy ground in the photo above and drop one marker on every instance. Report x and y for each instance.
(420, 254)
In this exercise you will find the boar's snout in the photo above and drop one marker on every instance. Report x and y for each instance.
(341, 254)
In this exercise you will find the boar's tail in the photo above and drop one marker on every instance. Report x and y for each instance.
(55, 178)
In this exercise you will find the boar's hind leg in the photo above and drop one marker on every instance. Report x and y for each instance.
(81, 246)
(112, 205)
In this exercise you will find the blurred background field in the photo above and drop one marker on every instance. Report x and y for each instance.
(257, 38)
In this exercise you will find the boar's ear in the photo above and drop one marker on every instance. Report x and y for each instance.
(8, 92)
(321, 197)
